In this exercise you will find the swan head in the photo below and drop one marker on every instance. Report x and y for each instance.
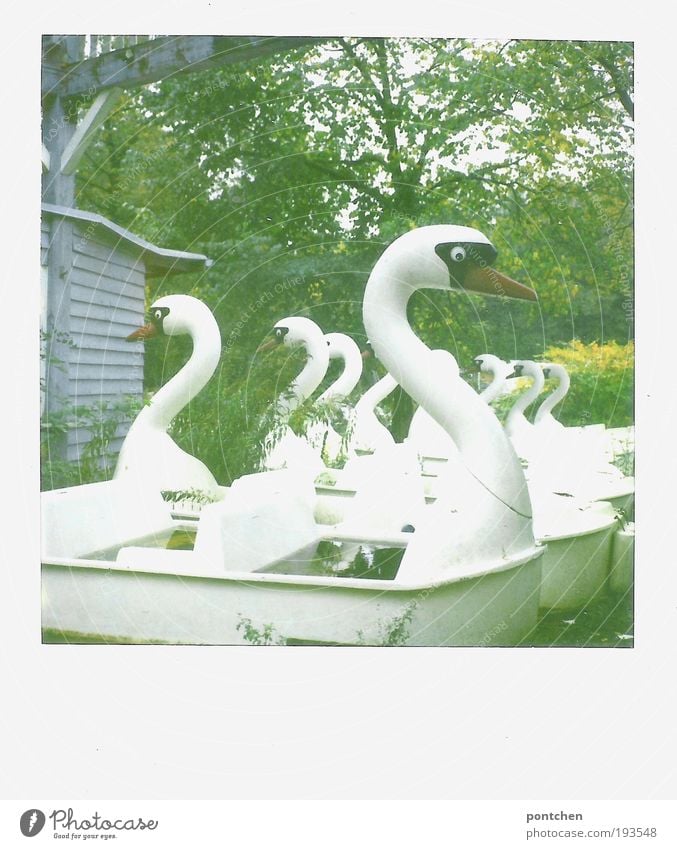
(554, 370)
(491, 363)
(528, 368)
(450, 257)
(292, 332)
(341, 345)
(174, 315)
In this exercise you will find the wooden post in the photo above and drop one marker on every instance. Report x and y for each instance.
(88, 125)
(58, 188)
(146, 62)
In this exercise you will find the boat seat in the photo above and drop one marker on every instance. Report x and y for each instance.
(78, 520)
(264, 518)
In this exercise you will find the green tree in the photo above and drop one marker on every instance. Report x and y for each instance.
(293, 174)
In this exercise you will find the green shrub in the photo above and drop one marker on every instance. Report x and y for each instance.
(97, 460)
(601, 390)
(602, 383)
(226, 425)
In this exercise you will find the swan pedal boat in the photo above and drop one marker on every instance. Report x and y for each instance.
(578, 533)
(99, 582)
(465, 578)
(580, 549)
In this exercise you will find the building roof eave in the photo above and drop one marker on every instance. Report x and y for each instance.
(157, 260)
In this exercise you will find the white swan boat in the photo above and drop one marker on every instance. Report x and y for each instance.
(559, 459)
(118, 582)
(251, 568)
(579, 534)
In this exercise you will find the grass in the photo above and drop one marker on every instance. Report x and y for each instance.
(606, 624)
(53, 636)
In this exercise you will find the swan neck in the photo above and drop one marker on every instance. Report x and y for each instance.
(483, 446)
(180, 390)
(493, 390)
(526, 399)
(309, 378)
(349, 377)
(375, 394)
(554, 398)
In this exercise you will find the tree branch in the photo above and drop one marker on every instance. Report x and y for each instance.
(364, 70)
(389, 118)
(619, 85)
(343, 175)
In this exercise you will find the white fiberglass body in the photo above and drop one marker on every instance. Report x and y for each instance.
(149, 457)
(457, 581)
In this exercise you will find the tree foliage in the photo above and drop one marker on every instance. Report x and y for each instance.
(292, 175)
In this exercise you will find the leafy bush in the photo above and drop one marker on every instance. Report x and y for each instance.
(101, 421)
(601, 390)
(602, 383)
(394, 631)
(228, 423)
(96, 461)
(265, 636)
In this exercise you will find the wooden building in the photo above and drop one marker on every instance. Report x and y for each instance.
(102, 299)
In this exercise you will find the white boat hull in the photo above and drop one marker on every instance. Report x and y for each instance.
(86, 601)
(624, 502)
(575, 570)
(622, 570)
(107, 575)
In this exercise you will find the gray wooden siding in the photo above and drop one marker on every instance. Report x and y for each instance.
(107, 303)
(44, 241)
(108, 267)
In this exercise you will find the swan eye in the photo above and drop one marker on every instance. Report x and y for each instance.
(281, 332)
(457, 253)
(158, 315)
